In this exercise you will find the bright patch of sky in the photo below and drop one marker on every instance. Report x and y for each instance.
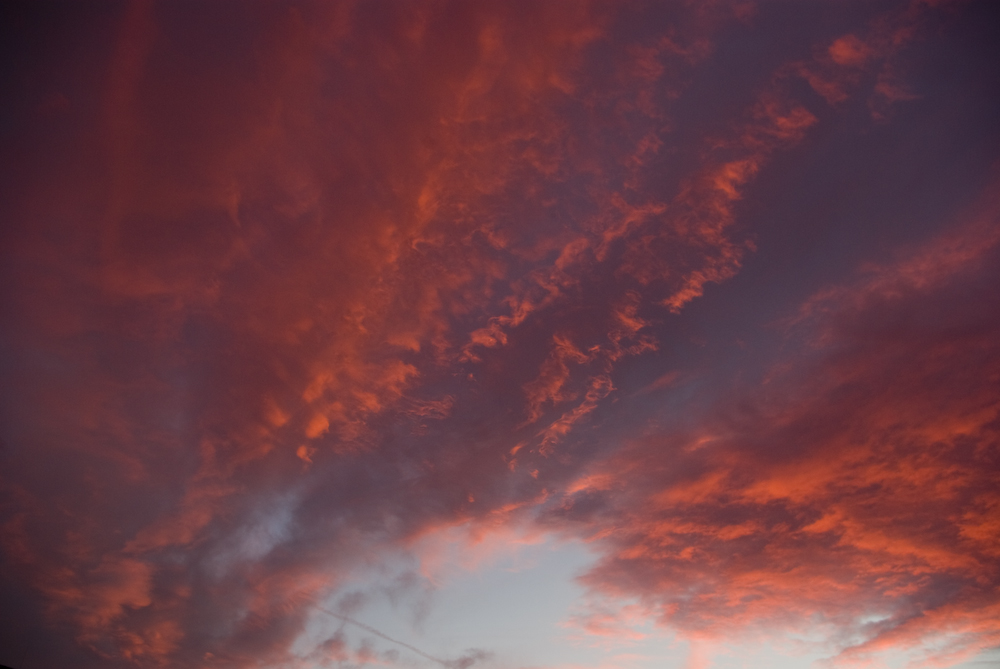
(516, 597)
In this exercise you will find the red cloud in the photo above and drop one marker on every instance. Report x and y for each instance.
(856, 487)
(283, 285)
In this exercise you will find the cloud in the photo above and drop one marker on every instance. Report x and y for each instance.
(852, 487)
(287, 292)
(464, 662)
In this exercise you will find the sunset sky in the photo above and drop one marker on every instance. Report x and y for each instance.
(500, 335)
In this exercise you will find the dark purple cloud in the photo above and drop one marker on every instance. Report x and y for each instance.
(286, 289)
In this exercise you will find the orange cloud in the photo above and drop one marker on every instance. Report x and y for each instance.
(849, 50)
(287, 289)
(854, 489)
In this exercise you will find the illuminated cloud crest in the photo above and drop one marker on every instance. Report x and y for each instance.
(855, 487)
(292, 293)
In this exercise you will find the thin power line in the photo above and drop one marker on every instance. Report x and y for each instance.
(372, 630)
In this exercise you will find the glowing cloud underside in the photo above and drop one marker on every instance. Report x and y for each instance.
(299, 293)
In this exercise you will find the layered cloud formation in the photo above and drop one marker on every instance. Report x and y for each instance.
(290, 290)
(853, 487)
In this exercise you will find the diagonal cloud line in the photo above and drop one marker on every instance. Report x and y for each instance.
(369, 628)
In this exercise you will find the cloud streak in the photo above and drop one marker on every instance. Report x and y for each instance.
(853, 488)
(288, 292)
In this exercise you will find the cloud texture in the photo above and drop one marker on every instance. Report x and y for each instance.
(288, 290)
(854, 486)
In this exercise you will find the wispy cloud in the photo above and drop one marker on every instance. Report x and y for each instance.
(467, 660)
(290, 291)
(853, 489)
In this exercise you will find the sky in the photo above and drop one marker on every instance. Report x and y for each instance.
(500, 335)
